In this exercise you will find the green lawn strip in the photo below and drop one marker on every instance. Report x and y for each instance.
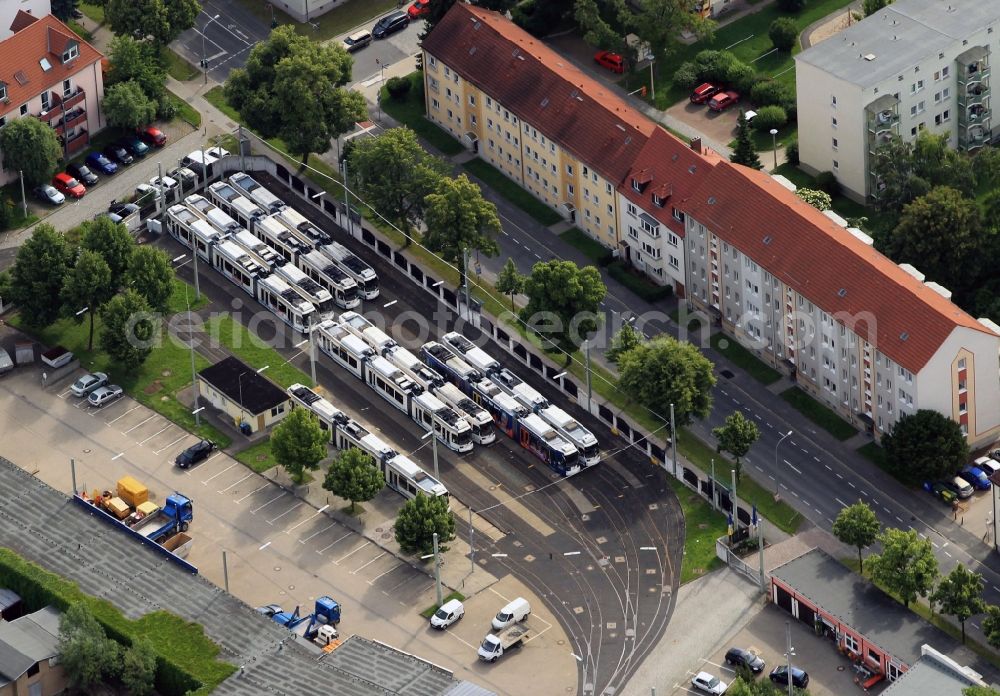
(217, 98)
(819, 414)
(79, 30)
(258, 456)
(93, 11)
(777, 512)
(765, 146)
(254, 352)
(187, 658)
(410, 111)
(638, 283)
(181, 296)
(842, 205)
(702, 526)
(744, 359)
(512, 191)
(178, 68)
(185, 111)
(429, 611)
(340, 20)
(587, 245)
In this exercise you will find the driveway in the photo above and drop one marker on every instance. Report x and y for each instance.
(719, 127)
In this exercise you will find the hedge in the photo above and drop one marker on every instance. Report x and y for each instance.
(185, 657)
(644, 288)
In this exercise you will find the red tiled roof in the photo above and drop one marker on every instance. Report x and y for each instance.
(825, 263)
(45, 37)
(675, 171)
(541, 87)
(21, 20)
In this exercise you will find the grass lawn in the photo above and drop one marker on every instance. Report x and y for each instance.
(429, 611)
(410, 112)
(765, 146)
(258, 456)
(842, 205)
(638, 282)
(702, 526)
(591, 248)
(185, 111)
(217, 98)
(513, 192)
(93, 11)
(778, 513)
(79, 30)
(339, 20)
(744, 359)
(819, 414)
(254, 352)
(178, 68)
(180, 297)
(876, 455)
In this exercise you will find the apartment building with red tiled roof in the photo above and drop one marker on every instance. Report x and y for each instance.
(48, 72)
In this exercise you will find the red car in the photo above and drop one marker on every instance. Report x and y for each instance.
(723, 100)
(419, 8)
(612, 61)
(151, 135)
(68, 185)
(702, 93)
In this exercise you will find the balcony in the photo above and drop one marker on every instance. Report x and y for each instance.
(977, 115)
(72, 120)
(883, 122)
(78, 142)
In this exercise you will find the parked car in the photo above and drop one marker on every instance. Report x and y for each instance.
(390, 24)
(989, 466)
(610, 60)
(703, 681)
(194, 454)
(48, 194)
(218, 152)
(88, 383)
(703, 92)
(166, 183)
(419, 8)
(98, 161)
(122, 210)
(153, 136)
(723, 100)
(6, 364)
(145, 194)
(357, 41)
(68, 186)
(447, 614)
(269, 610)
(515, 611)
(82, 173)
(977, 477)
(119, 154)
(105, 395)
(959, 486)
(738, 657)
(939, 490)
(779, 675)
(134, 145)
(183, 175)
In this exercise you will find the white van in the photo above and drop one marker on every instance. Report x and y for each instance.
(449, 612)
(516, 611)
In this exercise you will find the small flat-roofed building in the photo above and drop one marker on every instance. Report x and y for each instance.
(240, 392)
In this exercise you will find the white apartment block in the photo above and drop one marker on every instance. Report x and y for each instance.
(864, 336)
(914, 65)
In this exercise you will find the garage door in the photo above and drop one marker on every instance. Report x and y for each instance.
(806, 615)
(784, 599)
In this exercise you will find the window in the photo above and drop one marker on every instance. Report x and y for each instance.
(447, 71)
(72, 52)
(944, 71)
(569, 169)
(946, 116)
(278, 409)
(678, 215)
(45, 101)
(833, 121)
(586, 172)
(944, 93)
(937, 97)
(448, 92)
(836, 164)
(570, 189)
(632, 209)
(961, 363)
(24, 109)
(607, 187)
(834, 143)
(3, 121)
(850, 643)
(472, 99)
(833, 100)
(473, 119)
(3, 91)
(674, 263)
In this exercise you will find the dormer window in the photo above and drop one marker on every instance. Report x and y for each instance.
(70, 53)
(636, 186)
(657, 201)
(640, 180)
(3, 91)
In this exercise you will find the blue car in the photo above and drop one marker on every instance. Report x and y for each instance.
(976, 476)
(96, 160)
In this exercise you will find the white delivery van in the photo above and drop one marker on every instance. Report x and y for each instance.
(449, 612)
(515, 612)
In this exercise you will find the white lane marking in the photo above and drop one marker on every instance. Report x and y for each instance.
(166, 427)
(254, 511)
(792, 467)
(351, 553)
(842, 503)
(256, 490)
(840, 476)
(828, 467)
(317, 512)
(126, 432)
(124, 414)
(295, 507)
(236, 483)
(318, 531)
(816, 458)
(380, 575)
(339, 539)
(171, 444)
(355, 571)
(948, 554)
(899, 519)
(851, 484)
(205, 482)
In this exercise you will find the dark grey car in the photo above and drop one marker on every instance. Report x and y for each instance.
(390, 24)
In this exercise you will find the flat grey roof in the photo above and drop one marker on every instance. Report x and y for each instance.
(106, 563)
(900, 36)
(35, 635)
(932, 677)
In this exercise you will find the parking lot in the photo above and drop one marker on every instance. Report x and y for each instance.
(830, 674)
(720, 127)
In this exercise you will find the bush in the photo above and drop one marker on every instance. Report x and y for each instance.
(827, 181)
(6, 212)
(790, 5)
(792, 153)
(742, 77)
(638, 283)
(398, 87)
(769, 117)
(686, 76)
(767, 92)
(166, 108)
(783, 32)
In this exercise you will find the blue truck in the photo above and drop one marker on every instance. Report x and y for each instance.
(326, 613)
(175, 516)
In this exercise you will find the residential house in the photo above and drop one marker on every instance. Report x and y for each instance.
(48, 72)
(241, 393)
(11, 9)
(29, 652)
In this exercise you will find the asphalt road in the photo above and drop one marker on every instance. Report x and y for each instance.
(603, 548)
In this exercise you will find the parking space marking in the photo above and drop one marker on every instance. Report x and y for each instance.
(171, 444)
(124, 414)
(65, 393)
(236, 484)
(190, 470)
(382, 575)
(254, 511)
(320, 531)
(256, 490)
(294, 507)
(356, 570)
(317, 512)
(351, 553)
(205, 482)
(126, 432)
(166, 427)
(320, 551)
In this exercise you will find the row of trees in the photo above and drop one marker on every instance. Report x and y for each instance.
(91, 660)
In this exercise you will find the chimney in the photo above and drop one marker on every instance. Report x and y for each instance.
(696, 144)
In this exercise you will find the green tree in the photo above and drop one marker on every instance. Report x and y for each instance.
(906, 567)
(857, 525)
(86, 654)
(870, 7)
(353, 476)
(458, 218)
(563, 302)
(298, 443)
(737, 437)
(127, 107)
(293, 88)
(30, 146)
(395, 175)
(113, 242)
(419, 519)
(161, 21)
(960, 594)
(820, 200)
(87, 285)
(624, 340)
(784, 32)
(510, 281)
(602, 23)
(991, 625)
(139, 668)
(744, 152)
(138, 62)
(37, 276)
(666, 371)
(149, 273)
(790, 5)
(942, 234)
(63, 9)
(660, 24)
(986, 168)
(129, 329)
(907, 170)
(979, 691)
(925, 446)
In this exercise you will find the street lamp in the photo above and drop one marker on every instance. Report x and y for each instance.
(434, 445)
(791, 651)
(774, 145)
(437, 567)
(204, 57)
(780, 440)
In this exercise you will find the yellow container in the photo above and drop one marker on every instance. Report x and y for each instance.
(118, 507)
(148, 508)
(132, 492)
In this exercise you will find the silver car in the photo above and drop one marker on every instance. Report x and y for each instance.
(49, 194)
(105, 395)
(88, 383)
